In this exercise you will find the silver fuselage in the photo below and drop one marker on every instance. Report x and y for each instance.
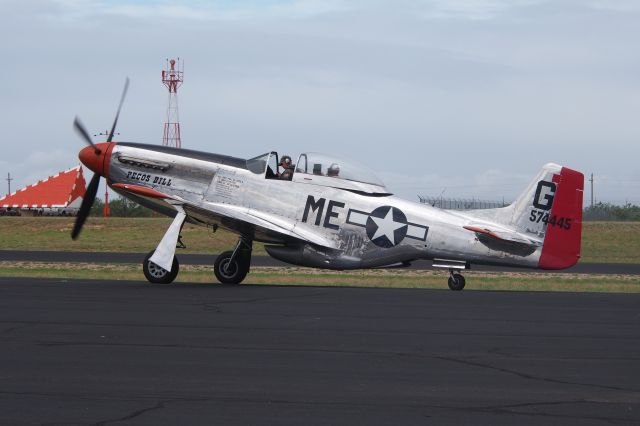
(312, 220)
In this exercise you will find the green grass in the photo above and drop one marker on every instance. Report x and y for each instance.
(611, 242)
(602, 242)
(114, 234)
(367, 278)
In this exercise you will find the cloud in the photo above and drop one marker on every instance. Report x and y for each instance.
(221, 10)
(447, 89)
(490, 185)
(616, 6)
(225, 10)
(470, 9)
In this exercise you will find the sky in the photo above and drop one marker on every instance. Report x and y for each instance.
(465, 98)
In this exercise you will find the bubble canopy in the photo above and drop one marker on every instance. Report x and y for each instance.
(323, 169)
(314, 163)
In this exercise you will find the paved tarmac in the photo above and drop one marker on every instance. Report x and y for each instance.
(208, 259)
(79, 352)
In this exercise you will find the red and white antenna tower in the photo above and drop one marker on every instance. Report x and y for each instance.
(172, 77)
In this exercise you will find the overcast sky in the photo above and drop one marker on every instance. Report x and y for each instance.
(469, 97)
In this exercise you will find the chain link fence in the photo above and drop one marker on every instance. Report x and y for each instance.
(460, 203)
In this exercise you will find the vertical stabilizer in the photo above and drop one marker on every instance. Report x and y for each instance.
(532, 207)
(548, 212)
(561, 248)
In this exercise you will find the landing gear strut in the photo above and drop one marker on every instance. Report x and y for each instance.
(231, 267)
(157, 275)
(456, 280)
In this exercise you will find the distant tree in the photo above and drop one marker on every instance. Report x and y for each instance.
(608, 211)
(120, 207)
(123, 207)
(97, 208)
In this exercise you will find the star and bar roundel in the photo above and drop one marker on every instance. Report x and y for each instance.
(387, 226)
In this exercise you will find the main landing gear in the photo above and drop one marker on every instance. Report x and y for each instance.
(456, 280)
(161, 266)
(231, 267)
(157, 275)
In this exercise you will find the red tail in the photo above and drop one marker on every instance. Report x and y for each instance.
(561, 248)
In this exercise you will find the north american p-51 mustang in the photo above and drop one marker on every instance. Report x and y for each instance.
(327, 212)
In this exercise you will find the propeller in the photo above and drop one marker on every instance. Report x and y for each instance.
(82, 131)
(85, 207)
(115, 121)
(92, 189)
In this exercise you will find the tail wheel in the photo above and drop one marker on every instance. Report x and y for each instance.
(157, 275)
(456, 282)
(230, 272)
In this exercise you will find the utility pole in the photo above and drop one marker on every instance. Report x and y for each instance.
(591, 180)
(9, 179)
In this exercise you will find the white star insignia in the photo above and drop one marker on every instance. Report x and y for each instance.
(387, 227)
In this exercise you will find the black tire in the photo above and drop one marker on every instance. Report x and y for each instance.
(155, 274)
(456, 282)
(234, 273)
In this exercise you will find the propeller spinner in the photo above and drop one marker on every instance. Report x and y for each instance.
(94, 157)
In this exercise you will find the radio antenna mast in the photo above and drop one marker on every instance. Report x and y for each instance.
(172, 78)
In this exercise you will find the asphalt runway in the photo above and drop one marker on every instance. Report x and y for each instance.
(208, 259)
(96, 352)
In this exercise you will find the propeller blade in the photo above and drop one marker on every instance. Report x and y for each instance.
(85, 207)
(124, 93)
(82, 131)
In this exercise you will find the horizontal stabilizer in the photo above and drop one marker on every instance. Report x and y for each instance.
(502, 234)
(504, 240)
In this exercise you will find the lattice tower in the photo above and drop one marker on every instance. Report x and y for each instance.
(172, 78)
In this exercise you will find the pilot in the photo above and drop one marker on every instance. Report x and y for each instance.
(333, 170)
(287, 165)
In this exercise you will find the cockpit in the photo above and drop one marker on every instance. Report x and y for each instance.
(319, 169)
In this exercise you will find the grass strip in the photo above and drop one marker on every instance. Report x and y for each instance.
(602, 242)
(382, 278)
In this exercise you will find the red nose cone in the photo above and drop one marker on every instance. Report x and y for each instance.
(96, 161)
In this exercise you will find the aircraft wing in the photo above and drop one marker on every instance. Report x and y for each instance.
(273, 223)
(236, 217)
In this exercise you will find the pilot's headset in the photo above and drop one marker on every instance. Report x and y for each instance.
(286, 160)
